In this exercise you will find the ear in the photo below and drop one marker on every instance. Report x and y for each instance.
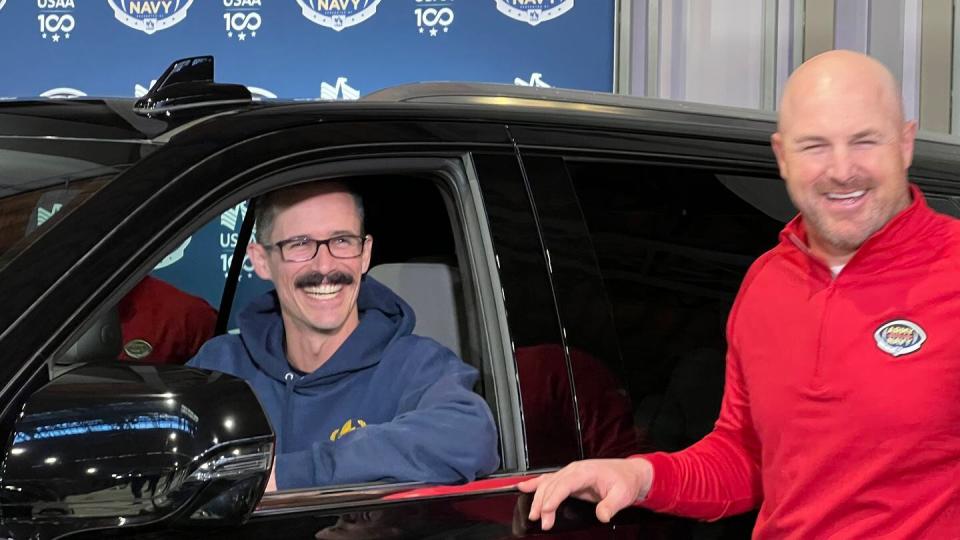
(259, 256)
(776, 142)
(367, 252)
(907, 137)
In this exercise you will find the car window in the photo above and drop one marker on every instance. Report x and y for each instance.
(42, 176)
(28, 207)
(548, 406)
(647, 259)
(672, 245)
(171, 313)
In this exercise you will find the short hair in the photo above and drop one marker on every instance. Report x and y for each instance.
(267, 206)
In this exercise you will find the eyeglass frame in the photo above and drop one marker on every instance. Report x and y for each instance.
(317, 243)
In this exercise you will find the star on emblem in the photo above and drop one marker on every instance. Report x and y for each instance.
(241, 36)
(253, 33)
(66, 35)
(229, 34)
(433, 32)
(56, 38)
(421, 29)
(445, 28)
(44, 35)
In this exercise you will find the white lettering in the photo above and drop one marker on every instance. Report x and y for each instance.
(52, 23)
(56, 4)
(226, 259)
(149, 7)
(238, 21)
(339, 5)
(228, 240)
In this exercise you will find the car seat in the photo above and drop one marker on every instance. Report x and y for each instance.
(433, 291)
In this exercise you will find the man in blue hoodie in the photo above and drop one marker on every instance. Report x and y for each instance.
(352, 395)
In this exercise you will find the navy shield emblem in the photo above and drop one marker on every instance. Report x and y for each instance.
(338, 14)
(534, 12)
(150, 16)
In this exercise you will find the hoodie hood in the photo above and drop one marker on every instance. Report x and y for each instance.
(384, 317)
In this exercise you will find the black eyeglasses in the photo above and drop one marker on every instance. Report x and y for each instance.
(303, 249)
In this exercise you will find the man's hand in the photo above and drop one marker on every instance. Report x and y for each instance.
(613, 483)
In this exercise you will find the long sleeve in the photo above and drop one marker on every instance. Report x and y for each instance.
(443, 433)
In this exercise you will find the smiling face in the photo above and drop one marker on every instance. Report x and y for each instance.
(843, 148)
(317, 297)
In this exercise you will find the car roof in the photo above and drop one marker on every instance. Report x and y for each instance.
(114, 118)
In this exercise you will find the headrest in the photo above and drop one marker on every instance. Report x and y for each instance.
(433, 291)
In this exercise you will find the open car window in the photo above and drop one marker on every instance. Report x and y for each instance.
(172, 312)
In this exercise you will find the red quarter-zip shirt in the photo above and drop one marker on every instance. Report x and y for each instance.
(841, 410)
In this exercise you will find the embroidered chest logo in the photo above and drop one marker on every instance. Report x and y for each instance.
(138, 349)
(347, 427)
(899, 337)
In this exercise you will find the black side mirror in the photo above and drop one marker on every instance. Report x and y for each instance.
(122, 445)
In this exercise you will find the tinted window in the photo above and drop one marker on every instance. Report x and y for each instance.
(39, 177)
(543, 373)
(647, 259)
(672, 245)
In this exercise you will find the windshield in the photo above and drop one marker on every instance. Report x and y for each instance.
(38, 183)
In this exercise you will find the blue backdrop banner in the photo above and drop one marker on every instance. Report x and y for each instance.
(332, 49)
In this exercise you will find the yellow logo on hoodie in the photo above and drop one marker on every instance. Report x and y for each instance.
(347, 427)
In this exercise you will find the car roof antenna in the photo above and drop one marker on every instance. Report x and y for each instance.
(188, 84)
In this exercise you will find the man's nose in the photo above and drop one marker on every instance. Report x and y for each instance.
(324, 261)
(842, 164)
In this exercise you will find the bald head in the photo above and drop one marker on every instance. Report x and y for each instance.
(843, 149)
(833, 74)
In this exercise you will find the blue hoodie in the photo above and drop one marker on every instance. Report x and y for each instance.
(388, 405)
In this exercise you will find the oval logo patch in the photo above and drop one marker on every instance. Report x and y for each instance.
(900, 337)
(138, 349)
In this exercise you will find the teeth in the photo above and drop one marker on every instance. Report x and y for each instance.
(323, 289)
(841, 196)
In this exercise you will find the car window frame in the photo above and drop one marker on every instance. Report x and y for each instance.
(454, 174)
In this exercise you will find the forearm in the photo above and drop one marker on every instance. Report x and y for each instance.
(449, 444)
(715, 478)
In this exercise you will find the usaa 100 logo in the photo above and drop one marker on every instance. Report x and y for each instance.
(150, 16)
(56, 19)
(242, 18)
(338, 14)
(534, 12)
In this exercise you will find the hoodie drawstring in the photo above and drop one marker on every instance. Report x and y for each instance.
(290, 380)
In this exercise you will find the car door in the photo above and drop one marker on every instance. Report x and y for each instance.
(127, 227)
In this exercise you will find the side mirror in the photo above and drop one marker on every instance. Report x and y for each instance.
(121, 445)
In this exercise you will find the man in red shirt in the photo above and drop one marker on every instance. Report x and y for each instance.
(161, 324)
(839, 415)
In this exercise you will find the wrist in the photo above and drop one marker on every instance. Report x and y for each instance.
(644, 474)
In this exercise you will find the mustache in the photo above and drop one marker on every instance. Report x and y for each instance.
(315, 279)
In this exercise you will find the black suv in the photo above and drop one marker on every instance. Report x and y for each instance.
(581, 250)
